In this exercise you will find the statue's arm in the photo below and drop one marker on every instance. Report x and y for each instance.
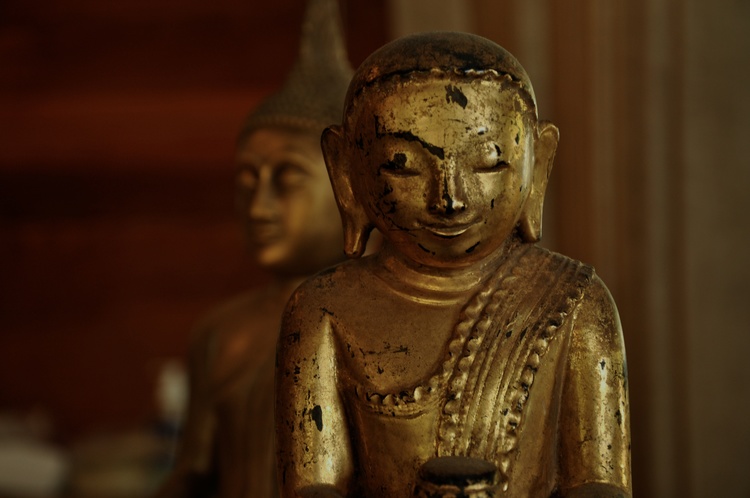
(193, 472)
(313, 446)
(594, 418)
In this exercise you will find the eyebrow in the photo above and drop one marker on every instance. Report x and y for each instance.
(410, 137)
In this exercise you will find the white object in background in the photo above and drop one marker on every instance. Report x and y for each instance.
(172, 391)
(29, 468)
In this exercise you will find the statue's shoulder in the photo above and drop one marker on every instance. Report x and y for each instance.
(550, 268)
(235, 335)
(578, 281)
(595, 313)
(541, 257)
(598, 321)
(328, 287)
(231, 315)
(321, 301)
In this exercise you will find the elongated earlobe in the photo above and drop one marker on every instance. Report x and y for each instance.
(357, 226)
(545, 146)
(356, 235)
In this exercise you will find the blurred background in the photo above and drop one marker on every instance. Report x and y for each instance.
(117, 228)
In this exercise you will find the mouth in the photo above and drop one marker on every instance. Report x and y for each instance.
(264, 233)
(448, 231)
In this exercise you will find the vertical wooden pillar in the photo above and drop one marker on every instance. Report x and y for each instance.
(716, 123)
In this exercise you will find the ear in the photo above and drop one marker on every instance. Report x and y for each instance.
(354, 219)
(545, 145)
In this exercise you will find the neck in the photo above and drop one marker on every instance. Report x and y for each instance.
(286, 284)
(429, 283)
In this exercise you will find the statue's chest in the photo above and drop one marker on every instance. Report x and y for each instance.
(396, 347)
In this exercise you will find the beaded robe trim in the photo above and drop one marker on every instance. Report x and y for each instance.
(507, 334)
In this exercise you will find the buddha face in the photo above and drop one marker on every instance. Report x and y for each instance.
(448, 167)
(285, 199)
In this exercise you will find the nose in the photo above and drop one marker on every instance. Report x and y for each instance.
(449, 196)
(263, 202)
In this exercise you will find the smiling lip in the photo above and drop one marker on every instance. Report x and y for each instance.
(264, 233)
(448, 231)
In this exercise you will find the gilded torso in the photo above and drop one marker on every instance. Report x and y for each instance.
(478, 374)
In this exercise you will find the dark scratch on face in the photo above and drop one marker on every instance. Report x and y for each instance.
(425, 249)
(411, 137)
(398, 163)
(471, 249)
(455, 95)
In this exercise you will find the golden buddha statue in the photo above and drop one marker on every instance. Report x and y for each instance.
(461, 341)
(293, 230)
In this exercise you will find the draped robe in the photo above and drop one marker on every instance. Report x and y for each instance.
(522, 385)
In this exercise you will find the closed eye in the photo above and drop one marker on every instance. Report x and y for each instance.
(397, 165)
(493, 161)
(289, 175)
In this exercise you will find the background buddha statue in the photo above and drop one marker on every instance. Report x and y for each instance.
(293, 230)
(462, 338)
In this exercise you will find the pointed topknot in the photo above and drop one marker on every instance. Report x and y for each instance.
(313, 94)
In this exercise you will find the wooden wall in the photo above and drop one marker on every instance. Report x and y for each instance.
(117, 230)
(649, 185)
